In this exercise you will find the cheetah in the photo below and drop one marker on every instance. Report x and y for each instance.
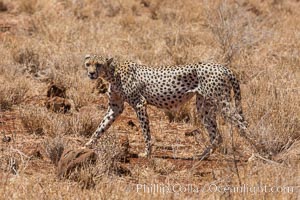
(167, 87)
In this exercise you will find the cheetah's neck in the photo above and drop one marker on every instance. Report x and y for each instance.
(110, 72)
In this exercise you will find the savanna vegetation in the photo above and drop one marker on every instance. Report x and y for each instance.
(42, 46)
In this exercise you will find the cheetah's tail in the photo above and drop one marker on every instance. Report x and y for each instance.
(237, 93)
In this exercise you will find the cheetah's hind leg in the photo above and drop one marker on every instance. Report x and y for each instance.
(206, 110)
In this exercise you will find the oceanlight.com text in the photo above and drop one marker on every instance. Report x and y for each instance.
(211, 188)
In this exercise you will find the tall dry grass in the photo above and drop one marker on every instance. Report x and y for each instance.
(12, 94)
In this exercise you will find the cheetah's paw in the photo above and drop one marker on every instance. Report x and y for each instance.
(143, 155)
(90, 144)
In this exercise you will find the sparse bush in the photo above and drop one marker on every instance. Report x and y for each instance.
(276, 132)
(232, 28)
(27, 58)
(9, 162)
(177, 47)
(40, 121)
(84, 123)
(28, 6)
(81, 95)
(12, 92)
(128, 22)
(35, 119)
(13, 161)
(54, 148)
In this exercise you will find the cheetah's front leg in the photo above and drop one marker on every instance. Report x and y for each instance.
(141, 111)
(114, 110)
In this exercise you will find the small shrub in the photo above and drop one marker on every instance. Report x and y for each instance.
(34, 119)
(13, 161)
(81, 95)
(12, 93)
(54, 148)
(83, 123)
(128, 22)
(231, 26)
(28, 6)
(28, 58)
(38, 120)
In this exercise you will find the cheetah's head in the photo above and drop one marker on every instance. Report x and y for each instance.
(96, 65)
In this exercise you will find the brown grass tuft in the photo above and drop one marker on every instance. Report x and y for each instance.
(28, 6)
(54, 148)
(13, 91)
(35, 120)
(40, 121)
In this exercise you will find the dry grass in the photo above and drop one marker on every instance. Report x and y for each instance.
(40, 121)
(259, 40)
(54, 148)
(12, 94)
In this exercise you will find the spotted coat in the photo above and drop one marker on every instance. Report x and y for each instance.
(168, 87)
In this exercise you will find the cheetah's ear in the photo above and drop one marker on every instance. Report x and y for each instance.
(109, 61)
(87, 56)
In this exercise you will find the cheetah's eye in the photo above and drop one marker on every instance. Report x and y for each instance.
(98, 65)
(87, 64)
